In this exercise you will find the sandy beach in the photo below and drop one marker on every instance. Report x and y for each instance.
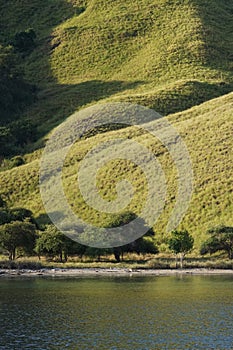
(59, 272)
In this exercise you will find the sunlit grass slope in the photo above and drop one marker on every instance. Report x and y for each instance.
(207, 131)
(165, 54)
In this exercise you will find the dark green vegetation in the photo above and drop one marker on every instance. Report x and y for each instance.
(180, 242)
(17, 231)
(221, 239)
(20, 237)
(16, 235)
(59, 56)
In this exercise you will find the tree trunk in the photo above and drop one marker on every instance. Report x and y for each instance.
(230, 254)
(181, 260)
(116, 254)
(122, 255)
(13, 254)
(176, 262)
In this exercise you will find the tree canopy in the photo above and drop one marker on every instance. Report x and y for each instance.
(180, 242)
(17, 234)
(221, 239)
(51, 242)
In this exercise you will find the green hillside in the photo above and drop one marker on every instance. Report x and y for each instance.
(173, 56)
(204, 128)
(168, 55)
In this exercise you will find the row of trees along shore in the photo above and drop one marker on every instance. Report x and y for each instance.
(20, 236)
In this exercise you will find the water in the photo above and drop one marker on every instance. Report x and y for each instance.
(189, 312)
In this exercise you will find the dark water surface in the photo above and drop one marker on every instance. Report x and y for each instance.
(189, 312)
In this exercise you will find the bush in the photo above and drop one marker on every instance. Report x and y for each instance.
(23, 131)
(24, 42)
(221, 239)
(16, 161)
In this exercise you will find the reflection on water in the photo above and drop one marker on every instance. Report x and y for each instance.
(189, 312)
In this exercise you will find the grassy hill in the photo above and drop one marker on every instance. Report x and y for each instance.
(207, 132)
(169, 55)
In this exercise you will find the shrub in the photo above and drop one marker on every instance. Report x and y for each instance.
(221, 240)
(24, 41)
(16, 161)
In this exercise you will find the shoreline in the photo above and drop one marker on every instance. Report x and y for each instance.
(85, 272)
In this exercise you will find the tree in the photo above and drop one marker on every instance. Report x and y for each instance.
(21, 214)
(180, 242)
(17, 234)
(143, 245)
(73, 248)
(8, 215)
(140, 245)
(94, 235)
(221, 240)
(5, 216)
(117, 221)
(17, 229)
(52, 242)
(97, 252)
(24, 41)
